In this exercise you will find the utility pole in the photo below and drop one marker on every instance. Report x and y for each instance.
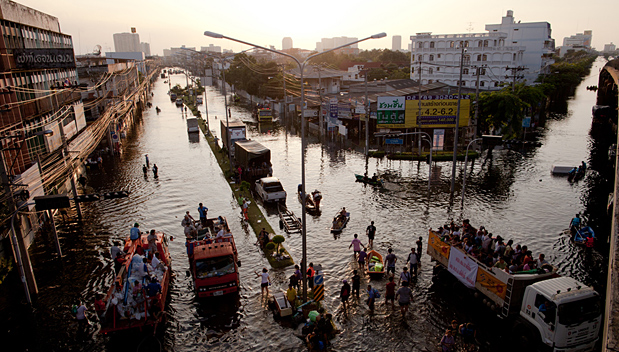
(514, 75)
(65, 150)
(453, 171)
(320, 118)
(367, 116)
(478, 73)
(285, 95)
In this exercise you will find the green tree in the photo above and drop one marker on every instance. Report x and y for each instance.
(278, 239)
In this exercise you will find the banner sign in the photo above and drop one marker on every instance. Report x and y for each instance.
(43, 58)
(436, 243)
(390, 112)
(491, 283)
(333, 108)
(462, 267)
(399, 141)
(436, 111)
(438, 139)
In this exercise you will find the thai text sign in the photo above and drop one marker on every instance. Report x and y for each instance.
(390, 112)
(491, 283)
(440, 246)
(44, 58)
(436, 111)
(462, 267)
(333, 108)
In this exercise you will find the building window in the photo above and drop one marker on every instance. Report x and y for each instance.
(419, 58)
(482, 71)
(485, 43)
(438, 69)
(515, 29)
(431, 57)
(484, 57)
(439, 56)
(451, 44)
(496, 84)
(429, 81)
(420, 44)
(481, 84)
(467, 59)
(479, 57)
(479, 44)
(412, 70)
(514, 57)
(430, 70)
(495, 42)
(465, 71)
(431, 44)
(466, 44)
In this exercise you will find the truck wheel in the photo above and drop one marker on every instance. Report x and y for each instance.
(525, 337)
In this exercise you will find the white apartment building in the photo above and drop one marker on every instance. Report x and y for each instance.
(127, 42)
(436, 58)
(580, 40)
(535, 37)
(211, 48)
(609, 48)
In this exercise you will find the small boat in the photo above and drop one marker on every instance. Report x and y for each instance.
(582, 235)
(375, 264)
(310, 206)
(369, 180)
(129, 308)
(339, 222)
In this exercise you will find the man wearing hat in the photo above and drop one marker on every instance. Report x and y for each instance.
(134, 234)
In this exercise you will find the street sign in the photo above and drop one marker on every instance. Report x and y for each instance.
(526, 122)
(398, 141)
(319, 292)
(318, 279)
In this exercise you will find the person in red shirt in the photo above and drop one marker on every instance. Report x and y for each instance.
(99, 306)
(390, 293)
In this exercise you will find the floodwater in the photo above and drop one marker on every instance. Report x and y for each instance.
(511, 193)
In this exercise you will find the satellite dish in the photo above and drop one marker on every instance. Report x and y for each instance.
(97, 50)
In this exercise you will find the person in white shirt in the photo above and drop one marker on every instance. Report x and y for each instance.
(265, 281)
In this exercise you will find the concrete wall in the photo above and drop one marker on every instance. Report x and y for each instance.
(12, 11)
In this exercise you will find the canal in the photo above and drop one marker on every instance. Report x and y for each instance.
(511, 193)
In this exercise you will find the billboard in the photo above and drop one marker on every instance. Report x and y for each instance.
(43, 58)
(437, 111)
(390, 112)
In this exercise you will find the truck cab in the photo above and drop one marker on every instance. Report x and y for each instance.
(566, 314)
(215, 269)
(270, 190)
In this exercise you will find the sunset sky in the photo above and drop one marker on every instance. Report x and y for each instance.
(167, 24)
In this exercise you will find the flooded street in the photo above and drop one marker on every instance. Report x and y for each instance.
(512, 194)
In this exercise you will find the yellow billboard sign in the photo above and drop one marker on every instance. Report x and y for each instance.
(437, 111)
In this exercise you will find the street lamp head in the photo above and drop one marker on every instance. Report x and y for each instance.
(379, 35)
(213, 35)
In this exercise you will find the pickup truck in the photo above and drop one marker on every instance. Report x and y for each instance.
(269, 189)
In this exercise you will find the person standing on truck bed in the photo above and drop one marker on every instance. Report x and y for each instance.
(203, 211)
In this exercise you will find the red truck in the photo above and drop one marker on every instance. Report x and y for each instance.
(214, 260)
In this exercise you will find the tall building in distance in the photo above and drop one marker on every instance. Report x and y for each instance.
(396, 43)
(330, 43)
(609, 48)
(286, 43)
(145, 48)
(127, 42)
(535, 37)
(211, 48)
(580, 40)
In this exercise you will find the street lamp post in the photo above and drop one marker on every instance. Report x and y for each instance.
(466, 159)
(301, 68)
(453, 170)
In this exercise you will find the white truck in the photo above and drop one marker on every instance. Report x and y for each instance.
(547, 310)
(269, 189)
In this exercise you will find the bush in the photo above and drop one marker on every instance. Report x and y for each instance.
(270, 246)
(278, 239)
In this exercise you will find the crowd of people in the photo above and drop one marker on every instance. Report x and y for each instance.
(493, 251)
